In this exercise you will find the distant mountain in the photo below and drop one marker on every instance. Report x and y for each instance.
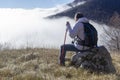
(97, 10)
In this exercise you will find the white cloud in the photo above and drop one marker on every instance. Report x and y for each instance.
(22, 27)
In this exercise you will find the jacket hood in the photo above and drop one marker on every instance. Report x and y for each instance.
(84, 19)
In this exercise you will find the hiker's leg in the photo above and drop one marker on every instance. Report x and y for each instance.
(67, 47)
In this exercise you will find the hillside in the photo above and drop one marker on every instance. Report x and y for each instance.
(41, 64)
(97, 10)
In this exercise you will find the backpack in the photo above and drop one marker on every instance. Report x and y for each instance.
(91, 36)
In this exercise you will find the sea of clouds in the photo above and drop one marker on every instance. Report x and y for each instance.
(22, 28)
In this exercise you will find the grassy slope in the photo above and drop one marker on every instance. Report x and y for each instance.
(41, 64)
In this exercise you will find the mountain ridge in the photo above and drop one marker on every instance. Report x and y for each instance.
(97, 10)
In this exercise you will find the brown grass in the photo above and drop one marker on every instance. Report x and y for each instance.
(41, 64)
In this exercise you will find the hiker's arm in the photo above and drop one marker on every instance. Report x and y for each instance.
(73, 32)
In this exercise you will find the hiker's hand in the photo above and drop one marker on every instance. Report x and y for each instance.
(67, 25)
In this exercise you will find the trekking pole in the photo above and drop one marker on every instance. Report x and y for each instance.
(64, 42)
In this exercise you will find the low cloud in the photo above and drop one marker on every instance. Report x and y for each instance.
(22, 28)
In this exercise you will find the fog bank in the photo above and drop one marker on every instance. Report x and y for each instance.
(28, 28)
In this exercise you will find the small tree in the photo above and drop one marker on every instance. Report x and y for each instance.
(115, 20)
(112, 34)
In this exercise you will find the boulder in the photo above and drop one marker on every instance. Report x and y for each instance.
(97, 60)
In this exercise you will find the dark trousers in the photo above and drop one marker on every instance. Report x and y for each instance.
(67, 47)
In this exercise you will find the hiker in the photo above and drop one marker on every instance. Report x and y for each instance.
(75, 33)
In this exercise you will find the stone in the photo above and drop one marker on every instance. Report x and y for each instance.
(97, 60)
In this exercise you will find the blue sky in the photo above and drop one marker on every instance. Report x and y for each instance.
(31, 3)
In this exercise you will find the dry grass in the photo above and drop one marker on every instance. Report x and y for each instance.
(41, 64)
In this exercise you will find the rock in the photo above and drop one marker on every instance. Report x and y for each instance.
(98, 60)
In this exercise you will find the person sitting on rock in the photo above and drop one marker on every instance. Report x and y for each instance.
(77, 33)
